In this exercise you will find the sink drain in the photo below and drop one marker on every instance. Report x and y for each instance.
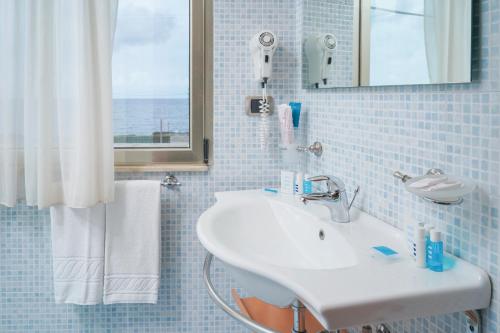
(321, 234)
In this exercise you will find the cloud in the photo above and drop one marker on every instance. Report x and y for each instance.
(138, 25)
(151, 55)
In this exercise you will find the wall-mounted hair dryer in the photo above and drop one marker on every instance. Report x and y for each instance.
(262, 46)
(319, 52)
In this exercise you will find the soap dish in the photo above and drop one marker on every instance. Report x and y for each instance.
(452, 196)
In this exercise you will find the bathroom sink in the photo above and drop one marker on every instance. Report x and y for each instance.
(280, 250)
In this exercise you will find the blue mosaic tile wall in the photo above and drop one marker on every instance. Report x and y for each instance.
(370, 132)
(367, 132)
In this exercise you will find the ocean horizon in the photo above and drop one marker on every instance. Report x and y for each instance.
(144, 116)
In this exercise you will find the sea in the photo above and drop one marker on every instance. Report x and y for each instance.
(142, 117)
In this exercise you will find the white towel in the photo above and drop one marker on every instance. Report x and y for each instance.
(78, 254)
(132, 244)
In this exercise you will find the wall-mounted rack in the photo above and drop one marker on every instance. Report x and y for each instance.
(453, 195)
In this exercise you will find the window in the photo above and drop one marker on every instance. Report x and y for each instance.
(161, 82)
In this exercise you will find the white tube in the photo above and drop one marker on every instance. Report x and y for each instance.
(420, 248)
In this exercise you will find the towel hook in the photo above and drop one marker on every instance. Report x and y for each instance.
(170, 181)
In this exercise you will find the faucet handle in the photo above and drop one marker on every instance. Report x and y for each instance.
(318, 178)
(331, 184)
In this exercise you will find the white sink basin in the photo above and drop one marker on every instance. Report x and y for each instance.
(279, 250)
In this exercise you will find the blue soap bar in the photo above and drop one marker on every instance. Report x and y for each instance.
(387, 251)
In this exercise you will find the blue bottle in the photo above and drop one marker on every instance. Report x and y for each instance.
(295, 106)
(307, 185)
(435, 255)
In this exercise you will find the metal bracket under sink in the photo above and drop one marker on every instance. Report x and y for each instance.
(473, 321)
(297, 307)
(253, 325)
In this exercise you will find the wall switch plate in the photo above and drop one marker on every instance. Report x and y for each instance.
(252, 104)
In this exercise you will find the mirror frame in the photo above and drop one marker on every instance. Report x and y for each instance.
(364, 43)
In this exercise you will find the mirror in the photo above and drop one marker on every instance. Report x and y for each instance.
(330, 43)
(415, 42)
(347, 43)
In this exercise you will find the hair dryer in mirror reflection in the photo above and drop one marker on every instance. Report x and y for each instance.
(262, 48)
(319, 51)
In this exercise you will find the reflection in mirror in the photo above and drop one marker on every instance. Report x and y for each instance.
(330, 34)
(415, 42)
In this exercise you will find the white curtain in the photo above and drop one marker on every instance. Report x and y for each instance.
(56, 141)
(447, 25)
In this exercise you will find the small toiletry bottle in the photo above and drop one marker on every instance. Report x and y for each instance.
(307, 187)
(287, 181)
(299, 183)
(435, 255)
(420, 247)
(428, 229)
(411, 226)
(296, 107)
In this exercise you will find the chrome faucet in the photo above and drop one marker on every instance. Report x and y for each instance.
(335, 198)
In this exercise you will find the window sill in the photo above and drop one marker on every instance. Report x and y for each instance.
(167, 167)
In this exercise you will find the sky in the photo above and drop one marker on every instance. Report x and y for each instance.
(151, 49)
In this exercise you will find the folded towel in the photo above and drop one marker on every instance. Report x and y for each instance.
(78, 254)
(132, 244)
